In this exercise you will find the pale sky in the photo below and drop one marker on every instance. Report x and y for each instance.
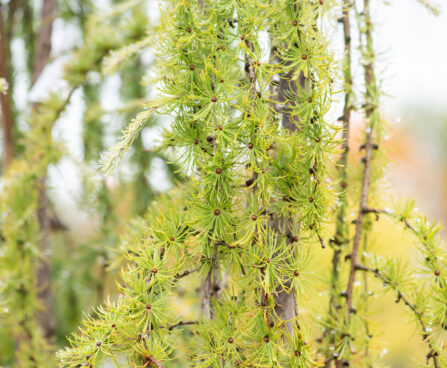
(415, 44)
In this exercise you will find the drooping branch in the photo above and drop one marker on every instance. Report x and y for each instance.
(370, 84)
(402, 296)
(360, 219)
(341, 230)
(370, 131)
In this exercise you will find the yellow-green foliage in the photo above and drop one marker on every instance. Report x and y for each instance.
(248, 85)
(257, 191)
(20, 229)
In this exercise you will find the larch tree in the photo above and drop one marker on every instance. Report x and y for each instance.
(217, 272)
(249, 87)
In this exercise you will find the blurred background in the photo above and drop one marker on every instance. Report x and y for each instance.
(92, 211)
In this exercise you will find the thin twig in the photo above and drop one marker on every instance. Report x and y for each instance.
(402, 296)
(346, 118)
(181, 323)
(369, 80)
(188, 272)
(152, 359)
(323, 244)
(360, 218)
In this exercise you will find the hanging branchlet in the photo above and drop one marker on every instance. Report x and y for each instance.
(340, 241)
(227, 137)
(260, 196)
(372, 132)
(348, 322)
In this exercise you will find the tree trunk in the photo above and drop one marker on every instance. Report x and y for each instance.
(44, 38)
(43, 269)
(7, 114)
(286, 304)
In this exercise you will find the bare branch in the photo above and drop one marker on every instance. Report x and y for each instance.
(188, 272)
(181, 323)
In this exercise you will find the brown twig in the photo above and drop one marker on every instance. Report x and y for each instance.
(370, 83)
(181, 323)
(188, 272)
(360, 218)
(366, 210)
(322, 243)
(346, 118)
(369, 80)
(154, 361)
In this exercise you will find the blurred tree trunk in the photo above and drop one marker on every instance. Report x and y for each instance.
(43, 270)
(43, 48)
(6, 103)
